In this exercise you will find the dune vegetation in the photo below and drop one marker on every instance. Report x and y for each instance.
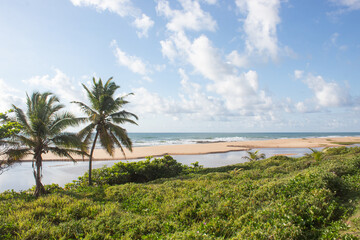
(275, 198)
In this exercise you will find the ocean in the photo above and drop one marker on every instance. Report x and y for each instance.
(153, 139)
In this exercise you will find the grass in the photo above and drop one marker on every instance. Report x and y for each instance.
(345, 143)
(275, 198)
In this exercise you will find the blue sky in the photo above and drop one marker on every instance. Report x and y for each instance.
(193, 65)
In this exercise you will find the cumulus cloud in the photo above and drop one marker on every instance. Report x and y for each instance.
(60, 84)
(144, 24)
(9, 96)
(326, 94)
(262, 18)
(240, 91)
(66, 88)
(191, 17)
(168, 49)
(237, 59)
(195, 101)
(192, 102)
(123, 8)
(133, 63)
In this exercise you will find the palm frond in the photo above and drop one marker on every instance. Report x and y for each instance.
(17, 153)
(121, 134)
(68, 140)
(21, 118)
(86, 131)
(106, 140)
(86, 109)
(62, 121)
(124, 114)
(118, 143)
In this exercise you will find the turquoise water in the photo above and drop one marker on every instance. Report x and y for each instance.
(152, 139)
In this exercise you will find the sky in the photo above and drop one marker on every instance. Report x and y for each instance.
(193, 65)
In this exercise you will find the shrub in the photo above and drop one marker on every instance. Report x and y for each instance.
(138, 172)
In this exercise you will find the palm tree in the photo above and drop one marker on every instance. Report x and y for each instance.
(104, 117)
(254, 156)
(42, 132)
(315, 154)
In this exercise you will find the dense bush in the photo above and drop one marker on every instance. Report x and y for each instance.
(341, 150)
(276, 198)
(138, 172)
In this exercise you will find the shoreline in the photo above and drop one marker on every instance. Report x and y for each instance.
(207, 148)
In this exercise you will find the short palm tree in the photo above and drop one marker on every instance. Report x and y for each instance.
(315, 154)
(254, 156)
(104, 116)
(42, 131)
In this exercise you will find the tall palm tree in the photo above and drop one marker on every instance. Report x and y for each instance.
(43, 131)
(254, 156)
(104, 116)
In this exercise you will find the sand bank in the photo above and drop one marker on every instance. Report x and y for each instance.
(207, 148)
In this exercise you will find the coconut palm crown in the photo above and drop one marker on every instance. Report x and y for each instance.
(105, 116)
(43, 126)
(254, 156)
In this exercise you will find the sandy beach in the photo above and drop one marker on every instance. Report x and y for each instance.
(207, 148)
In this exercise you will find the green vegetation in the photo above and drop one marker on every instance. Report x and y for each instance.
(105, 116)
(42, 132)
(345, 143)
(254, 156)
(8, 129)
(315, 154)
(276, 198)
(138, 172)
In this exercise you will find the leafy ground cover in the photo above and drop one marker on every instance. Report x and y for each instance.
(276, 198)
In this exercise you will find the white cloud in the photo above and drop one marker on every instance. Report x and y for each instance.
(135, 64)
(262, 18)
(301, 107)
(144, 24)
(349, 4)
(9, 96)
(192, 103)
(144, 102)
(191, 17)
(168, 49)
(327, 94)
(60, 84)
(197, 102)
(298, 74)
(237, 60)
(123, 8)
(210, 1)
(240, 92)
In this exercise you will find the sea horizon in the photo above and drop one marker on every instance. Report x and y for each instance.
(140, 139)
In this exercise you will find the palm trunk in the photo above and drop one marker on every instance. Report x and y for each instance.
(39, 189)
(91, 156)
